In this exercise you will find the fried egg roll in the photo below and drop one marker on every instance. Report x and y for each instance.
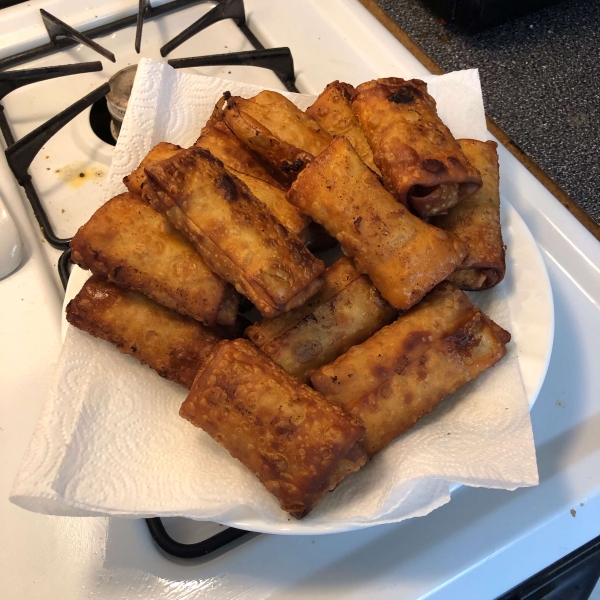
(420, 161)
(403, 256)
(476, 221)
(221, 142)
(346, 311)
(238, 236)
(299, 445)
(277, 130)
(403, 371)
(173, 345)
(134, 181)
(132, 245)
(333, 111)
(246, 165)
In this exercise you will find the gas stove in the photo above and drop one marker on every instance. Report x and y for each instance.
(481, 544)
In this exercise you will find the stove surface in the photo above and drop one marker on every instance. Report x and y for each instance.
(478, 546)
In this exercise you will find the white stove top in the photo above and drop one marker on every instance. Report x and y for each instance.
(478, 546)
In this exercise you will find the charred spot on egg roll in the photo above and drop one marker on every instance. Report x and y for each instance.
(344, 312)
(236, 234)
(476, 221)
(173, 345)
(420, 161)
(403, 256)
(299, 445)
(134, 246)
(404, 370)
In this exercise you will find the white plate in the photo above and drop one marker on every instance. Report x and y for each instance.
(532, 312)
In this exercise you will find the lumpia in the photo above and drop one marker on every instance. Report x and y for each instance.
(420, 161)
(403, 256)
(238, 236)
(299, 445)
(476, 221)
(346, 311)
(133, 246)
(173, 345)
(333, 111)
(404, 370)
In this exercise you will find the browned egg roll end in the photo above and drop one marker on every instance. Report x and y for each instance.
(134, 181)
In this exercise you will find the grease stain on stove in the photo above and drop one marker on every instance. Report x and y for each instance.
(78, 173)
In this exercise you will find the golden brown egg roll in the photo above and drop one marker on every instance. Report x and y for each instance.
(403, 371)
(133, 246)
(221, 142)
(420, 161)
(333, 111)
(277, 130)
(134, 181)
(173, 345)
(299, 445)
(476, 221)
(238, 236)
(403, 256)
(346, 311)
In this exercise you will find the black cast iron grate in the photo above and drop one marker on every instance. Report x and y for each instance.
(20, 153)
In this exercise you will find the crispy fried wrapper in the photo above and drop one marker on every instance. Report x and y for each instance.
(332, 110)
(403, 256)
(221, 142)
(346, 311)
(134, 181)
(421, 163)
(299, 445)
(237, 235)
(173, 345)
(403, 371)
(248, 166)
(277, 130)
(274, 197)
(476, 221)
(132, 245)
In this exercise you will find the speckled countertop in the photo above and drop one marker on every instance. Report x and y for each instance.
(541, 83)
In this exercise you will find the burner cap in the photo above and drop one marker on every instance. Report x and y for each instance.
(118, 97)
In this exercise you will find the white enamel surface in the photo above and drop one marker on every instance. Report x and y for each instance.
(480, 545)
(11, 246)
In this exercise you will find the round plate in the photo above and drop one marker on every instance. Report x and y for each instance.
(532, 314)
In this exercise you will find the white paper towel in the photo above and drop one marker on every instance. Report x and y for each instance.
(110, 440)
